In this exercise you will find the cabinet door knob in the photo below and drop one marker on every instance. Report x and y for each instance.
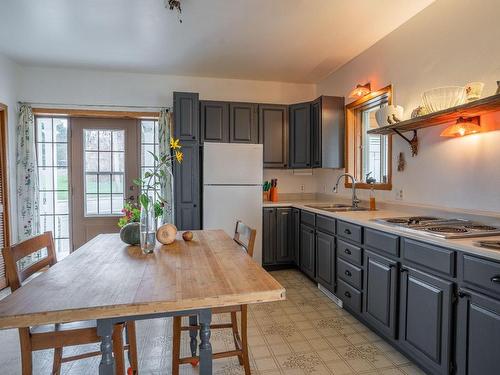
(495, 279)
(347, 251)
(462, 294)
(348, 273)
(347, 294)
(347, 231)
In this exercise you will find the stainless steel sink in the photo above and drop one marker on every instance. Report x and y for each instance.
(337, 207)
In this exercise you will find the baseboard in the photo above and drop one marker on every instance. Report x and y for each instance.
(330, 295)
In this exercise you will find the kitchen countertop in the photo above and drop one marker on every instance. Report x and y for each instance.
(365, 218)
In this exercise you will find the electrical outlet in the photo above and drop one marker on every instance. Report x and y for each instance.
(302, 187)
(399, 194)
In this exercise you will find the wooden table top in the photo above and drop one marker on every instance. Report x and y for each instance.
(106, 278)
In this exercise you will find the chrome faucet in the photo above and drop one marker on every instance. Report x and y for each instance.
(355, 200)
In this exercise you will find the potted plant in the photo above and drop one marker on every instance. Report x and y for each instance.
(151, 201)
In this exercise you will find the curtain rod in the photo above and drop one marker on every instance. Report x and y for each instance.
(67, 105)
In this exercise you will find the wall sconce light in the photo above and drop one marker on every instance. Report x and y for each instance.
(464, 126)
(360, 91)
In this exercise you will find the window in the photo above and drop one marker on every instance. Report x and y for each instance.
(368, 156)
(52, 157)
(104, 171)
(149, 143)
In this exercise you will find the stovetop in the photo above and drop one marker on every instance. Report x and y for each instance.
(441, 227)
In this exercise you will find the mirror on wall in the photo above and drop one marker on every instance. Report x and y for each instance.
(368, 156)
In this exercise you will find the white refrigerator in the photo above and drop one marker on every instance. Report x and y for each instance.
(232, 188)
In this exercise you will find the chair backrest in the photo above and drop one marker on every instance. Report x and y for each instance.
(245, 237)
(14, 253)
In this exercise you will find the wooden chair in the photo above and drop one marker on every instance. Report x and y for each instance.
(245, 237)
(57, 336)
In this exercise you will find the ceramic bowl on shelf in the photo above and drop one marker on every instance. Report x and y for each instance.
(443, 98)
(473, 90)
(388, 115)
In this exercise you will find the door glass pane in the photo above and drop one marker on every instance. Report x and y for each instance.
(61, 154)
(61, 202)
(61, 226)
(148, 131)
(60, 179)
(45, 155)
(60, 130)
(46, 202)
(45, 178)
(44, 130)
(104, 171)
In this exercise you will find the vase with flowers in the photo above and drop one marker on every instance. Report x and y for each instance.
(151, 200)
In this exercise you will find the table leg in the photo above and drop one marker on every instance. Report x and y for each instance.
(105, 331)
(205, 317)
(193, 321)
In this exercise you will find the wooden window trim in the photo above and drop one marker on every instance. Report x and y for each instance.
(4, 180)
(95, 113)
(367, 101)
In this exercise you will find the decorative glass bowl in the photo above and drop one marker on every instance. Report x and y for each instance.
(443, 97)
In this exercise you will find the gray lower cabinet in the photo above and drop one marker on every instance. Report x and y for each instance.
(307, 252)
(325, 260)
(273, 134)
(269, 236)
(478, 334)
(186, 114)
(187, 188)
(300, 135)
(425, 319)
(214, 121)
(380, 293)
(243, 123)
(296, 235)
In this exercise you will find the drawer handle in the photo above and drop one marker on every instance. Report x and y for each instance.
(347, 231)
(495, 279)
(348, 273)
(347, 294)
(347, 251)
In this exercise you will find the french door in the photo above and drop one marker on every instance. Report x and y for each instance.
(104, 162)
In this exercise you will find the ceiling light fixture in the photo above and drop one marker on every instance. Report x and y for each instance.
(464, 126)
(174, 5)
(360, 91)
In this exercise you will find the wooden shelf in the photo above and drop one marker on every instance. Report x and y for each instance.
(475, 108)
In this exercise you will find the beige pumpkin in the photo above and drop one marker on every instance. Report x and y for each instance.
(166, 234)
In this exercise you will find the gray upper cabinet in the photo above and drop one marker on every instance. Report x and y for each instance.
(187, 188)
(186, 112)
(425, 319)
(273, 134)
(300, 135)
(244, 127)
(214, 121)
(478, 334)
(331, 133)
(380, 287)
(325, 260)
(316, 133)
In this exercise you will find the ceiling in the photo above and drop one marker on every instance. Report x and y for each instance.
(278, 40)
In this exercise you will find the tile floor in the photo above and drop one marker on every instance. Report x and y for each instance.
(306, 334)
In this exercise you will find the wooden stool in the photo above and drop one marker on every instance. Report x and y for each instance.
(245, 237)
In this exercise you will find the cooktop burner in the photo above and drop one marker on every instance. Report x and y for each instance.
(441, 227)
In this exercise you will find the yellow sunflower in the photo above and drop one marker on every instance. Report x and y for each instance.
(179, 156)
(174, 144)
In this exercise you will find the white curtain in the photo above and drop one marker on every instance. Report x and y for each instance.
(167, 188)
(28, 218)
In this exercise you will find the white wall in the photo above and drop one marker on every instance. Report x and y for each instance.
(451, 42)
(103, 87)
(8, 94)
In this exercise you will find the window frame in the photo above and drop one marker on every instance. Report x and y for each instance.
(353, 124)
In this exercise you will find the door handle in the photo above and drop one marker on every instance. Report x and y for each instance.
(347, 251)
(495, 279)
(348, 273)
(347, 294)
(462, 294)
(347, 231)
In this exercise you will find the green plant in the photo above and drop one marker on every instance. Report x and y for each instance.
(131, 214)
(156, 177)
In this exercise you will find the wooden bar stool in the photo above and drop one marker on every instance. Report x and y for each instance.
(57, 336)
(245, 237)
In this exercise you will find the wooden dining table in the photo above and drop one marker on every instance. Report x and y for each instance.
(107, 281)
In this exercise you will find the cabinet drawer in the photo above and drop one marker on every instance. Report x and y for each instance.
(350, 296)
(349, 252)
(387, 243)
(349, 231)
(308, 218)
(433, 257)
(482, 273)
(349, 273)
(326, 224)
